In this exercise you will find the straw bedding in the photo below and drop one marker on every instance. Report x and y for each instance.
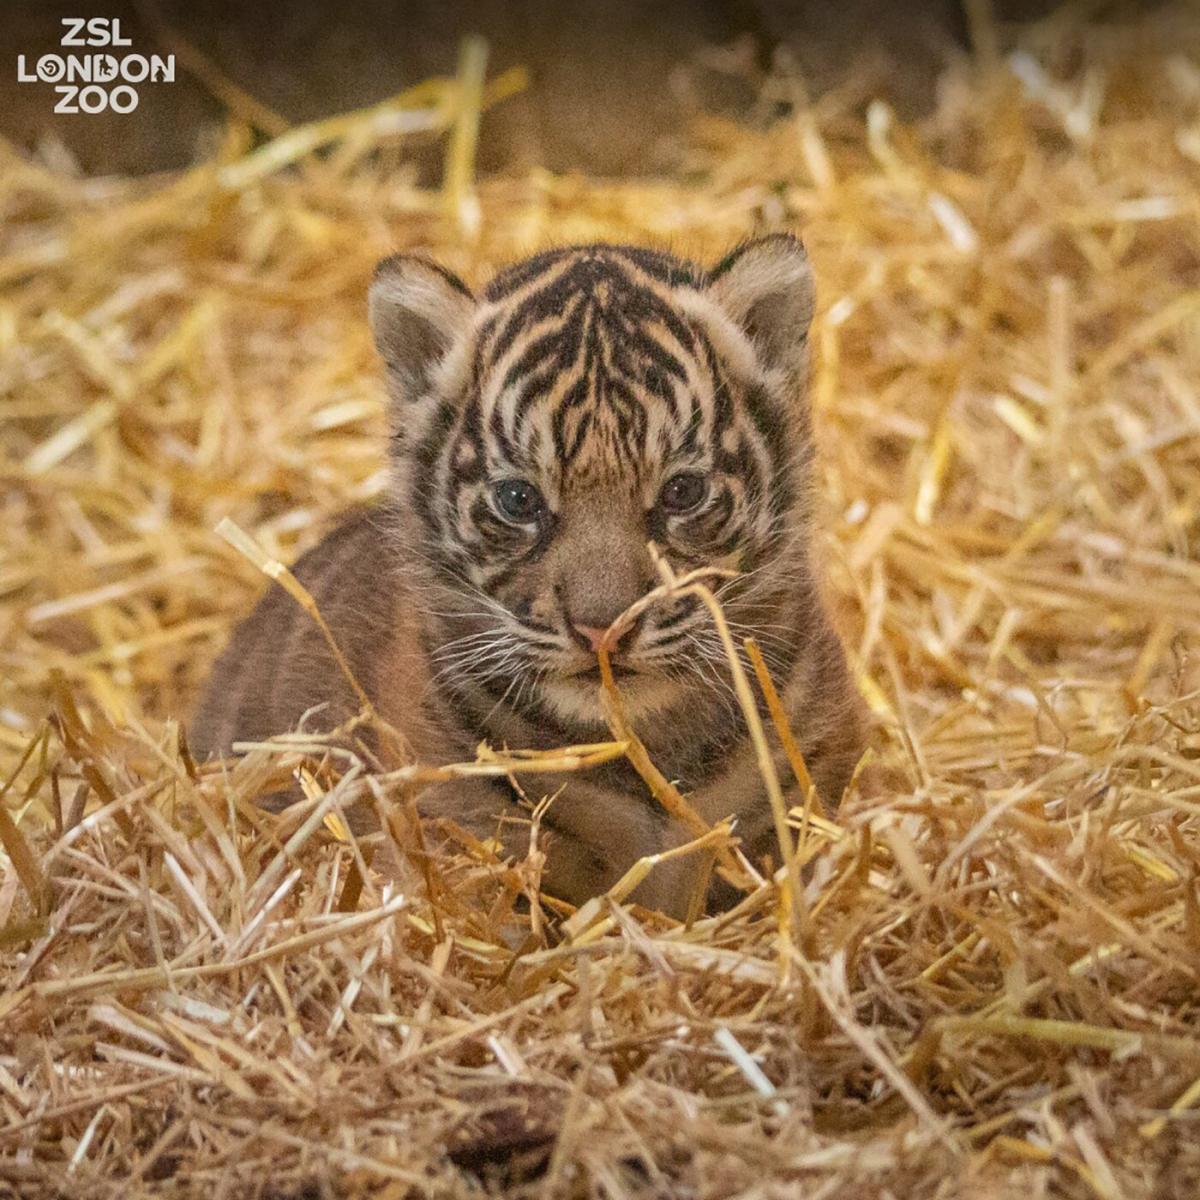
(991, 987)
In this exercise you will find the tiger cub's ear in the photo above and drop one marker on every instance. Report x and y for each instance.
(417, 312)
(766, 286)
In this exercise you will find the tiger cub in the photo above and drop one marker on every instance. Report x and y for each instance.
(587, 402)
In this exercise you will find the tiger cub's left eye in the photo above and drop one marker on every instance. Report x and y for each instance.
(683, 492)
(518, 501)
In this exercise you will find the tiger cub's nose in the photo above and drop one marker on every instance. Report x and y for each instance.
(590, 636)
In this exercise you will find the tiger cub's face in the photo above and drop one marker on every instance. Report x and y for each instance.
(592, 400)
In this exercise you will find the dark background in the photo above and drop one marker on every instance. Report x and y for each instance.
(612, 81)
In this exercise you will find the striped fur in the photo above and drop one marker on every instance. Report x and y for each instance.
(580, 387)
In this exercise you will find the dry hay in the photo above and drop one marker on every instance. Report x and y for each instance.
(993, 990)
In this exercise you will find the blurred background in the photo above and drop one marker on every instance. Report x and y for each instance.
(611, 85)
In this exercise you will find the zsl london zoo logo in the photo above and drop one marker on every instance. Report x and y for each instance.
(91, 82)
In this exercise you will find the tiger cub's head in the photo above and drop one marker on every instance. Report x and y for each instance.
(588, 401)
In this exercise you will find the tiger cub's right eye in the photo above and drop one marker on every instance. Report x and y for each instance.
(683, 492)
(518, 501)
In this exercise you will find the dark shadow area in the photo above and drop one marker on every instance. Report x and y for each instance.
(612, 84)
